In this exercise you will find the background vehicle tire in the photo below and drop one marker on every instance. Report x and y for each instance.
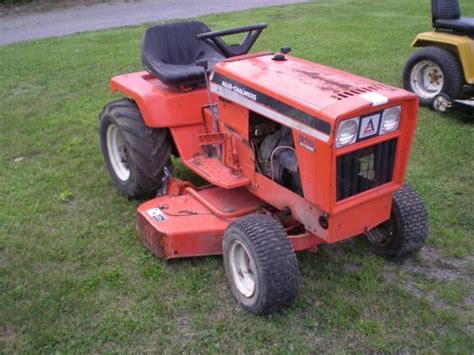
(135, 155)
(260, 264)
(406, 231)
(431, 71)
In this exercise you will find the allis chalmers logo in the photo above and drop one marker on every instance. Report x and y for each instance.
(369, 125)
(239, 90)
(369, 128)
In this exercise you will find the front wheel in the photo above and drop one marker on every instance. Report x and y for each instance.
(260, 264)
(432, 71)
(135, 155)
(406, 231)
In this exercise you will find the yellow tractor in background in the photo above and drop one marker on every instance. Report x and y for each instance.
(441, 72)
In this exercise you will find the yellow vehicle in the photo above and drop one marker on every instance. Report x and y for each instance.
(441, 72)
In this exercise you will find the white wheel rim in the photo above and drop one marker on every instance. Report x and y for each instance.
(117, 151)
(243, 269)
(427, 79)
(441, 104)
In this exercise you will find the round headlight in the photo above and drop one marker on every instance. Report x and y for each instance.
(347, 133)
(391, 119)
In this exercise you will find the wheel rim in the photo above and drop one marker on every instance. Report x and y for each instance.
(243, 269)
(117, 151)
(441, 104)
(427, 79)
(383, 235)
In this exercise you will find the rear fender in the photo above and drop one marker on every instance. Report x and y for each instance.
(160, 105)
(462, 46)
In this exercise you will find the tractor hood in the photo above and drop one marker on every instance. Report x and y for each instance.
(313, 94)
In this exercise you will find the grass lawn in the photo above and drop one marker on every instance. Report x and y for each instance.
(74, 276)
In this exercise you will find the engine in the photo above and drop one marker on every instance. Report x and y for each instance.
(275, 154)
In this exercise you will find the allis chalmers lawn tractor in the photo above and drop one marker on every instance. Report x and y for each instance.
(441, 73)
(296, 154)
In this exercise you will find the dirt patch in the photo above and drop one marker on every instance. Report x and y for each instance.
(435, 273)
(337, 251)
(459, 264)
(352, 267)
(431, 297)
(7, 332)
(124, 303)
(184, 327)
(469, 301)
(389, 277)
(428, 254)
(24, 89)
(430, 265)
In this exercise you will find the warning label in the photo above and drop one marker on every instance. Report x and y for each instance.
(157, 214)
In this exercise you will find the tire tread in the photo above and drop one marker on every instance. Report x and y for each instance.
(449, 64)
(411, 218)
(149, 148)
(276, 259)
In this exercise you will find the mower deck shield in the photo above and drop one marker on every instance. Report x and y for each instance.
(193, 223)
(182, 226)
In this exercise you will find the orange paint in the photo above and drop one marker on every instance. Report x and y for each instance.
(194, 221)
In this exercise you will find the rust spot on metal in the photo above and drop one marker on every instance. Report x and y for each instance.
(326, 82)
(340, 89)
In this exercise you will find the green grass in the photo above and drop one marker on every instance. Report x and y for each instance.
(74, 277)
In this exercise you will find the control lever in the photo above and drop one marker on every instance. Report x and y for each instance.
(215, 127)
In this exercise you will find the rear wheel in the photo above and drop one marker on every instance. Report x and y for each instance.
(432, 71)
(260, 264)
(406, 231)
(135, 155)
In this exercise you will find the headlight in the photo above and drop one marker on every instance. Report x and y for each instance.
(390, 119)
(347, 132)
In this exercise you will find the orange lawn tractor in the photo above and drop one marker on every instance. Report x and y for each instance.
(296, 154)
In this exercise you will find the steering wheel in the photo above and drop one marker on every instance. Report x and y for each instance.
(213, 38)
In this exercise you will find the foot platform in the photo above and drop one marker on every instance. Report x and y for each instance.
(215, 172)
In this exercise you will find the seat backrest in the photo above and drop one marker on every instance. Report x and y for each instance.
(175, 43)
(445, 9)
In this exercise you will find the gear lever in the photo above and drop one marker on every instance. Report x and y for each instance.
(215, 127)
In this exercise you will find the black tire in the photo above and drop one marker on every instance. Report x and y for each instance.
(406, 231)
(275, 266)
(147, 151)
(450, 70)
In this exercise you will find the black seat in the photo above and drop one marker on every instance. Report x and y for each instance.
(447, 16)
(170, 53)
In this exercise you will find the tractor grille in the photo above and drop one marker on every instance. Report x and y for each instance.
(365, 168)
